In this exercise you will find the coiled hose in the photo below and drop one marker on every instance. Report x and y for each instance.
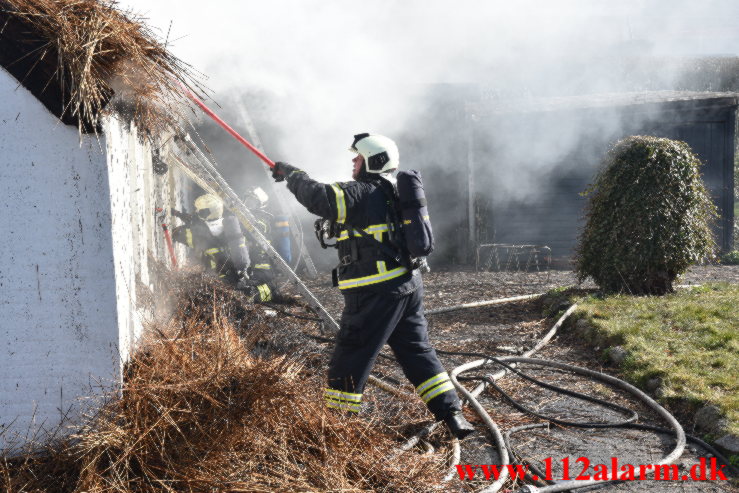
(613, 381)
(509, 364)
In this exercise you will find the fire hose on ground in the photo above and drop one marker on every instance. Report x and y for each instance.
(615, 382)
(509, 363)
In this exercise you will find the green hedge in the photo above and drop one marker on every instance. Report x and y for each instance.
(648, 217)
(731, 258)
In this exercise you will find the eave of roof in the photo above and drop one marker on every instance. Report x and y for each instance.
(30, 59)
(636, 100)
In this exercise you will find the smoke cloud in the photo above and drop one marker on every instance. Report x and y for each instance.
(336, 67)
(311, 73)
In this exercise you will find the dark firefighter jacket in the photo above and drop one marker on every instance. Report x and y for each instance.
(260, 258)
(362, 204)
(225, 254)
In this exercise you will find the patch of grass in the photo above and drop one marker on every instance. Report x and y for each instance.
(688, 339)
(730, 258)
(557, 300)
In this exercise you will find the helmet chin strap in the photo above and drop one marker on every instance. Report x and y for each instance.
(363, 175)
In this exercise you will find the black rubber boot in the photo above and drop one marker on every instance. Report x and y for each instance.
(458, 425)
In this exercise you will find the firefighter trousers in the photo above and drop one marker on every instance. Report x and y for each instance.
(370, 320)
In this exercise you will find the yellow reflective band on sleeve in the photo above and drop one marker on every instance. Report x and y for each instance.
(375, 229)
(444, 387)
(212, 251)
(265, 294)
(408, 221)
(213, 265)
(262, 266)
(381, 267)
(436, 379)
(373, 279)
(340, 203)
(188, 237)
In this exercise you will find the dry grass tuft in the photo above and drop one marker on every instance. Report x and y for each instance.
(100, 51)
(200, 412)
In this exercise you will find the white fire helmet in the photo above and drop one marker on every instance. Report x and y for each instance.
(255, 198)
(209, 207)
(380, 153)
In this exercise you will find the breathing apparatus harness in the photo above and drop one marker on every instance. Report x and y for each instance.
(396, 247)
(325, 230)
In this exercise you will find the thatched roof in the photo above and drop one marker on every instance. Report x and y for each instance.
(209, 404)
(76, 55)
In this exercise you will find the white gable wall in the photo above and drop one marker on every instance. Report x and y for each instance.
(77, 227)
(135, 192)
(58, 304)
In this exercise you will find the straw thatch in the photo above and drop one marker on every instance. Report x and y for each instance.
(83, 53)
(200, 412)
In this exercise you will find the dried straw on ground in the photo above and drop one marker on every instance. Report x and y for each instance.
(199, 412)
(101, 51)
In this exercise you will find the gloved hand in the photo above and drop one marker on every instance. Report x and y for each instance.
(281, 170)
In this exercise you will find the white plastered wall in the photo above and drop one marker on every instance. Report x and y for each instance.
(58, 322)
(136, 192)
(77, 232)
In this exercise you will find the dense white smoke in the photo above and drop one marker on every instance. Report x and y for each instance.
(329, 68)
(311, 73)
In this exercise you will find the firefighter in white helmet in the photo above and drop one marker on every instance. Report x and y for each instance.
(221, 247)
(383, 298)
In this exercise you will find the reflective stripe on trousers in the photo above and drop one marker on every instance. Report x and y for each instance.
(436, 385)
(346, 401)
(210, 253)
(265, 294)
(370, 320)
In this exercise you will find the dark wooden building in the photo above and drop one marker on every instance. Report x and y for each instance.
(513, 171)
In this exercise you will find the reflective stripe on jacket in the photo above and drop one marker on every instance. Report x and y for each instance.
(361, 204)
(226, 254)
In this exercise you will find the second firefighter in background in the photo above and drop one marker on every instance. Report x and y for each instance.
(221, 247)
(383, 300)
